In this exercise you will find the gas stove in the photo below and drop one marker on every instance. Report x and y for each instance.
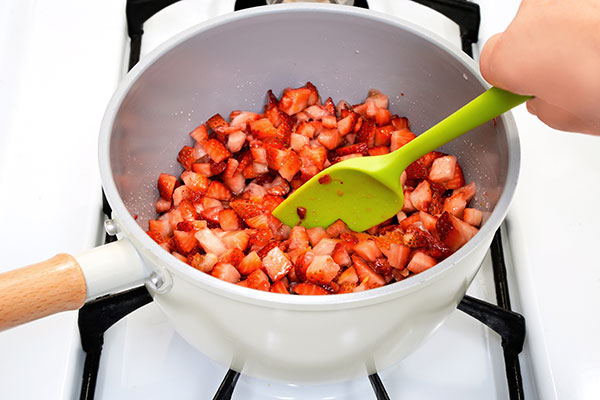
(67, 58)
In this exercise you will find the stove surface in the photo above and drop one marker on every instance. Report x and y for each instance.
(66, 58)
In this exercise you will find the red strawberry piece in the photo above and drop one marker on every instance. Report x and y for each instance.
(330, 106)
(325, 247)
(263, 128)
(397, 255)
(416, 170)
(187, 210)
(166, 186)
(245, 208)
(276, 157)
(216, 190)
(294, 100)
(314, 94)
(180, 193)
(377, 98)
(408, 205)
(400, 138)
(249, 263)
(174, 218)
(211, 215)
(232, 256)
(347, 123)
(316, 234)
(270, 202)
(258, 280)
(442, 169)
(200, 134)
(382, 117)
(322, 270)
(360, 148)
(226, 272)
(259, 222)
(366, 134)
(340, 255)
(236, 183)
(179, 256)
(316, 112)
(235, 141)
(420, 262)
(467, 191)
(281, 286)
(204, 263)
(309, 289)
(383, 135)
(276, 264)
(186, 157)
(271, 99)
(195, 181)
(429, 158)
(421, 196)
(455, 205)
(162, 205)
(207, 202)
(306, 129)
(400, 123)
(428, 221)
(301, 265)
(415, 238)
(337, 228)
(436, 206)
(330, 138)
(285, 129)
(291, 166)
(347, 281)
(160, 225)
(472, 216)
(186, 226)
(329, 122)
(379, 151)
(156, 236)
(217, 123)
(366, 274)
(454, 232)
(228, 220)
(298, 141)
(185, 241)
(241, 119)
(210, 242)
(383, 268)
(367, 249)
(202, 168)
(298, 239)
(236, 240)
(216, 151)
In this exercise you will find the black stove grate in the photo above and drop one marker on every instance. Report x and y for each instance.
(99, 315)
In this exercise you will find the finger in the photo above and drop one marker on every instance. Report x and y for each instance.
(558, 118)
(485, 59)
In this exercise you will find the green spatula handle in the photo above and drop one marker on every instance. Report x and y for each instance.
(490, 104)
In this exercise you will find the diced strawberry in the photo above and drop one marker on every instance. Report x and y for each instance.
(367, 249)
(329, 122)
(162, 205)
(366, 134)
(325, 247)
(179, 256)
(228, 220)
(382, 116)
(204, 263)
(263, 128)
(416, 170)
(316, 112)
(309, 289)
(294, 100)
(242, 119)
(217, 123)
(346, 124)
(259, 280)
(198, 152)
(185, 241)
(298, 141)
(232, 256)
(166, 186)
(276, 263)
(337, 228)
(280, 287)
(200, 134)
(187, 211)
(315, 235)
(179, 194)
(454, 232)
(467, 191)
(400, 123)
(162, 226)
(202, 168)
(442, 169)
(276, 157)
(291, 166)
(249, 263)
(210, 242)
(270, 202)
(330, 138)
(383, 135)
(379, 151)
(236, 183)
(322, 269)
(186, 157)
(245, 208)
(156, 236)
(236, 239)
(207, 202)
(352, 149)
(379, 99)
(216, 150)
(298, 238)
(421, 196)
(226, 272)
(428, 159)
(195, 181)
(436, 206)
(174, 218)
(235, 141)
(259, 222)
(472, 216)
(400, 138)
(455, 205)
(370, 278)
(216, 190)
(397, 255)
(408, 205)
(428, 221)
(313, 97)
(420, 262)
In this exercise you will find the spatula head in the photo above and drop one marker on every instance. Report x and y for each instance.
(353, 191)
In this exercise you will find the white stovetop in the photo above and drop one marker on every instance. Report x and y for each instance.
(64, 60)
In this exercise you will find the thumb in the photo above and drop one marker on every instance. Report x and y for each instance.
(486, 60)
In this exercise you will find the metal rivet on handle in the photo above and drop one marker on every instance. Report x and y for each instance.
(111, 227)
(160, 280)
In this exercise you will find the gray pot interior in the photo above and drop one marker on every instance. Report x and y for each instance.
(230, 64)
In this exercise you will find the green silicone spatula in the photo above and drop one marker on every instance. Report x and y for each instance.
(366, 191)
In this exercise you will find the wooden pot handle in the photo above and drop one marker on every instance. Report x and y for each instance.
(41, 289)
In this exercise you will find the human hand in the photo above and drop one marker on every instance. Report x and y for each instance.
(551, 50)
